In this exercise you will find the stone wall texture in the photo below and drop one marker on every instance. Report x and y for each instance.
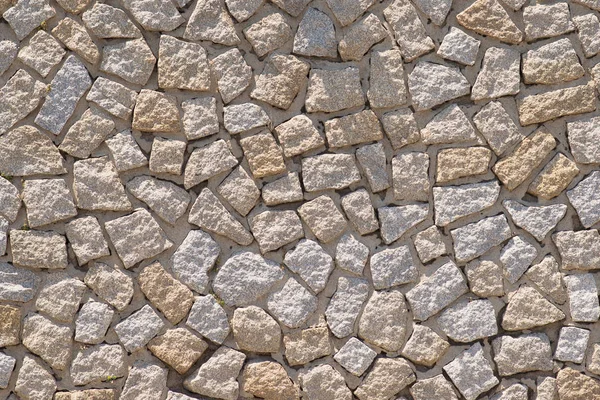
(285, 199)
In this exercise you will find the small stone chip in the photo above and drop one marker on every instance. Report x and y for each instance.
(305, 345)
(547, 20)
(471, 372)
(268, 34)
(311, 262)
(425, 346)
(96, 186)
(588, 31)
(353, 129)
(107, 22)
(110, 284)
(359, 38)
(432, 84)
(263, 154)
(497, 127)
(211, 21)
(283, 190)
(395, 221)
(298, 135)
(572, 344)
(489, 18)
(400, 127)
(240, 191)
(454, 202)
(178, 348)
(460, 47)
(233, 74)
(167, 156)
(131, 60)
(85, 135)
(60, 297)
(281, 80)
(553, 63)
(499, 75)
(583, 297)
(410, 176)
(42, 53)
(112, 97)
(315, 36)
(20, 95)
(293, 304)
(323, 218)
(429, 244)
(359, 209)
(524, 353)
(27, 15)
(76, 38)
(182, 65)
(408, 29)
(333, 90)
(554, 178)
(387, 377)
(49, 340)
(329, 171)
(240, 118)
(254, 330)
(223, 367)
(527, 309)
(455, 163)
(47, 201)
(125, 152)
(193, 259)
(209, 319)
(139, 328)
(38, 249)
(273, 229)
(345, 305)
(576, 249)
(166, 199)
(383, 320)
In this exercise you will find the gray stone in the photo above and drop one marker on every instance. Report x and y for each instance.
(516, 256)
(353, 129)
(276, 228)
(547, 20)
(136, 237)
(347, 11)
(268, 34)
(583, 297)
(393, 267)
(292, 7)
(524, 353)
(460, 47)
(433, 84)
(20, 95)
(425, 346)
(388, 377)
(256, 331)
(351, 255)
(360, 37)
(125, 151)
(182, 65)
(499, 75)
(85, 135)
(9, 49)
(355, 356)
(475, 239)
(408, 30)
(548, 278)
(383, 320)
(373, 162)
(489, 18)
(387, 86)
(145, 380)
(527, 309)
(546, 388)
(200, 117)
(112, 97)
(323, 218)
(436, 11)
(38, 249)
(400, 127)
(243, 9)
(583, 199)
(303, 346)
(49, 340)
(311, 262)
(154, 15)
(47, 201)
(131, 60)
(283, 190)
(166, 199)
(42, 53)
(298, 135)
(397, 220)
(98, 363)
(345, 305)
(471, 372)
(553, 63)
(497, 127)
(211, 21)
(208, 161)
(92, 322)
(244, 117)
(26, 15)
(315, 36)
(166, 156)
(34, 380)
(217, 376)
(233, 74)
(322, 382)
(513, 392)
(450, 125)
(136, 330)
(107, 22)
(537, 220)
(193, 259)
(329, 171)
(410, 176)
(264, 155)
(468, 321)
(60, 297)
(10, 201)
(3, 235)
(454, 202)
(292, 305)
(333, 90)
(576, 249)
(7, 364)
(110, 284)
(359, 209)
(572, 344)
(96, 186)
(429, 244)
(208, 318)
(588, 29)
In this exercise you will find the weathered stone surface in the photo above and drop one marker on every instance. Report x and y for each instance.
(243, 9)
(10, 325)
(351, 255)
(47, 201)
(386, 84)
(355, 356)
(34, 380)
(263, 154)
(139, 328)
(108, 22)
(359, 209)
(333, 90)
(497, 127)
(8, 47)
(547, 20)
(38, 249)
(429, 244)
(217, 376)
(113, 97)
(7, 364)
(593, 359)
(455, 202)
(233, 74)
(298, 135)
(92, 322)
(548, 279)
(573, 385)
(516, 256)
(49, 340)
(475, 239)
(432, 84)
(329, 171)
(10, 201)
(583, 136)
(575, 249)
(383, 320)
(179, 348)
(97, 363)
(76, 38)
(206, 162)
(471, 372)
(359, 38)
(110, 284)
(468, 321)
(269, 380)
(274, 229)
(572, 343)
(306, 345)
(200, 117)
(167, 156)
(457, 163)
(460, 47)
(323, 382)
(92, 394)
(588, 28)
(527, 309)
(353, 129)
(525, 353)
(345, 305)
(311, 262)
(583, 300)
(537, 220)
(256, 331)
(552, 63)
(400, 127)
(131, 60)
(410, 175)
(451, 125)
(388, 377)
(554, 178)
(292, 305)
(499, 74)
(166, 199)
(85, 135)
(182, 65)
(42, 53)
(425, 346)
(20, 95)
(485, 278)
(408, 29)
(125, 152)
(393, 267)
(584, 201)
(436, 388)
(281, 80)
(211, 21)
(396, 221)
(60, 297)
(292, 7)
(145, 380)
(315, 36)
(209, 319)
(193, 259)
(154, 15)
(488, 18)
(240, 190)
(268, 34)
(26, 15)
(156, 112)
(323, 218)
(96, 186)
(240, 118)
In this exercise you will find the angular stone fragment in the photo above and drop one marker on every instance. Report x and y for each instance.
(429, 244)
(274, 229)
(42, 53)
(323, 382)
(311, 262)
(355, 356)
(537, 220)
(209, 319)
(436, 388)
(573, 385)
(525, 353)
(60, 297)
(516, 256)
(471, 372)
(283, 190)
(18, 97)
(383, 320)
(499, 75)
(7, 364)
(548, 279)
(107, 22)
(593, 360)
(527, 309)
(240, 191)
(217, 376)
(460, 47)
(583, 140)
(583, 297)
(315, 36)
(451, 125)
(393, 267)
(488, 18)
(400, 127)
(243, 9)
(388, 377)
(210, 214)
(432, 84)
(329, 171)
(10, 325)
(34, 380)
(193, 259)
(131, 60)
(359, 209)
(233, 74)
(8, 47)
(3, 234)
(211, 21)
(156, 112)
(179, 348)
(497, 127)
(588, 29)
(353, 129)
(96, 186)
(269, 380)
(292, 7)
(264, 155)
(583, 198)
(346, 11)
(256, 331)
(110, 284)
(98, 363)
(167, 156)
(425, 346)
(547, 20)
(66, 89)
(166, 199)
(112, 97)
(359, 38)
(206, 162)
(475, 239)
(76, 38)
(125, 152)
(457, 163)
(292, 305)
(146, 380)
(38, 249)
(298, 135)
(200, 117)
(85, 135)
(410, 176)
(26, 15)
(408, 29)
(455, 202)
(554, 178)
(240, 118)
(154, 15)
(351, 255)
(552, 63)
(333, 90)
(47, 339)
(182, 65)
(10, 200)
(513, 392)
(139, 328)
(572, 343)
(323, 218)
(92, 322)
(47, 201)
(281, 80)
(268, 34)
(576, 249)
(345, 305)
(306, 345)
(468, 321)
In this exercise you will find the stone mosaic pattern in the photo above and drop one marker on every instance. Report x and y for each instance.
(285, 199)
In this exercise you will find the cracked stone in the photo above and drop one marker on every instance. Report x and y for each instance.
(233, 74)
(497, 127)
(397, 220)
(432, 84)
(345, 305)
(323, 218)
(96, 186)
(193, 259)
(475, 239)
(524, 353)
(139, 328)
(208, 318)
(408, 30)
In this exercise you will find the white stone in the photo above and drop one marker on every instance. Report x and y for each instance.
(209, 319)
(497, 127)
(112, 97)
(135, 331)
(499, 75)
(345, 305)
(432, 84)
(311, 262)
(454, 202)
(396, 221)
(351, 255)
(460, 47)
(193, 259)
(468, 321)
(92, 322)
(393, 267)
(583, 297)
(292, 305)
(524, 353)
(408, 29)
(471, 372)
(355, 356)
(516, 256)
(475, 239)
(572, 344)
(450, 125)
(537, 220)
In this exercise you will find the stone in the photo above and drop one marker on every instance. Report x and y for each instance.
(200, 117)
(410, 176)
(256, 331)
(383, 320)
(298, 135)
(306, 345)
(499, 75)
(432, 84)
(516, 256)
(125, 152)
(553, 63)
(593, 359)
(264, 155)
(217, 376)
(192, 260)
(3, 235)
(274, 229)
(583, 200)
(94, 394)
(107, 22)
(135, 331)
(92, 322)
(400, 127)
(583, 299)
(7, 364)
(165, 293)
(451, 125)
(97, 187)
(26, 15)
(475, 239)
(322, 382)
(557, 103)
(240, 118)
(489, 18)
(454, 202)
(66, 89)
(513, 392)
(283, 190)
(10, 201)
(393, 267)
(554, 178)
(351, 255)
(468, 321)
(60, 297)
(436, 388)
(588, 28)
(292, 7)
(51, 341)
(396, 221)
(34, 380)
(292, 305)
(85, 135)
(546, 20)
(208, 318)
(154, 15)
(524, 353)
(573, 385)
(575, 249)
(136, 237)
(113, 97)
(527, 309)
(497, 127)
(38, 249)
(167, 156)
(437, 291)
(387, 377)
(178, 348)
(268, 34)
(96, 363)
(353, 129)
(572, 344)
(8, 48)
(268, 380)
(546, 388)
(47, 201)
(243, 9)
(20, 95)
(245, 277)
(582, 135)
(208, 161)
(182, 65)
(359, 209)
(387, 87)
(429, 244)
(131, 60)
(471, 372)
(76, 38)
(315, 36)
(355, 356)
(333, 90)
(211, 21)
(110, 284)
(459, 47)
(360, 37)
(166, 199)
(347, 12)
(408, 30)
(548, 279)
(10, 325)
(424, 346)
(329, 171)
(281, 80)
(345, 305)
(209, 214)
(240, 191)
(156, 112)
(42, 53)
(233, 74)
(311, 262)
(323, 218)
(537, 220)
(146, 380)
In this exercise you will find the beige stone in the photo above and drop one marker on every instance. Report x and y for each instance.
(461, 162)
(10, 325)
(485, 278)
(323, 218)
(156, 112)
(593, 360)
(179, 348)
(298, 135)
(269, 380)
(182, 65)
(264, 155)
(255, 330)
(76, 38)
(573, 385)
(425, 346)
(527, 309)
(90, 394)
(388, 377)
(488, 18)
(554, 178)
(353, 129)
(303, 346)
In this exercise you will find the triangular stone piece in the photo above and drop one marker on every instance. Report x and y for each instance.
(451, 125)
(527, 308)
(488, 17)
(537, 220)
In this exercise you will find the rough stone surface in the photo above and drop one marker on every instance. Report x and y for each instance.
(468, 321)
(455, 202)
(333, 90)
(410, 176)
(293, 304)
(206, 162)
(525, 353)
(315, 35)
(329, 171)
(516, 256)
(345, 305)
(244, 117)
(92, 322)
(408, 29)
(471, 372)
(166, 199)
(572, 344)
(211, 21)
(323, 218)
(488, 17)
(499, 74)
(208, 318)
(200, 117)
(497, 127)
(42, 53)
(233, 74)
(182, 65)
(96, 186)
(193, 259)
(583, 299)
(60, 297)
(47, 339)
(323, 382)
(388, 377)
(131, 60)
(424, 346)
(359, 38)
(393, 267)
(306, 345)
(459, 46)
(475, 239)
(311, 263)
(383, 320)
(280, 81)
(139, 328)
(179, 348)
(217, 376)
(125, 152)
(575, 249)
(256, 331)
(554, 178)
(268, 34)
(269, 380)
(96, 363)
(432, 84)
(527, 309)
(355, 356)
(47, 201)
(111, 284)
(38, 249)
